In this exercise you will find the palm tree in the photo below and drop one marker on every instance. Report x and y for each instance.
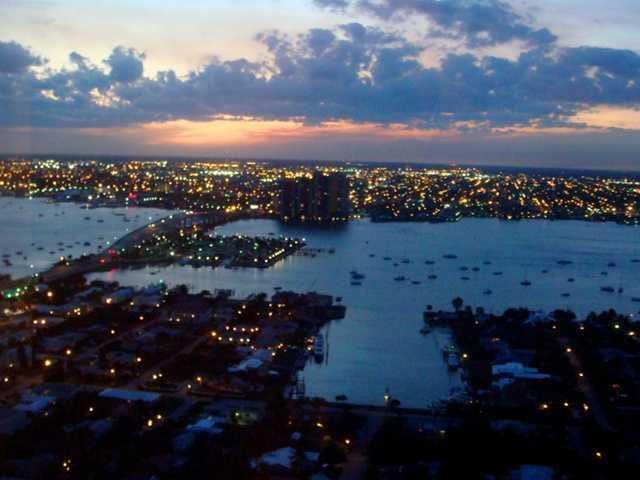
(457, 303)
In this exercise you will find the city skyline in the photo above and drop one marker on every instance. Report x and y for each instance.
(471, 83)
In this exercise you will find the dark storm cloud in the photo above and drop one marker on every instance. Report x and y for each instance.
(352, 73)
(14, 58)
(478, 22)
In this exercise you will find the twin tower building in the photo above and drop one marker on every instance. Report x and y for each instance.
(320, 198)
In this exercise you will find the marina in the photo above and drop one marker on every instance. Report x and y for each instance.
(361, 360)
(361, 261)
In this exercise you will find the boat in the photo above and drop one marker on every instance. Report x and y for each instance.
(475, 269)
(432, 277)
(544, 271)
(464, 278)
(525, 283)
(357, 276)
(356, 283)
(611, 264)
(406, 260)
(635, 299)
(429, 262)
(415, 282)
(488, 291)
(400, 278)
(566, 295)
(564, 262)
(386, 258)
(450, 256)
(497, 273)
(608, 289)
(486, 262)
(338, 299)
(604, 274)
(464, 269)
(571, 280)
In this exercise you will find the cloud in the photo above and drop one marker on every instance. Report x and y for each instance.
(477, 22)
(126, 64)
(351, 73)
(332, 4)
(14, 58)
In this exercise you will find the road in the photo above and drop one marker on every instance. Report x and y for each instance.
(163, 225)
(97, 261)
(585, 387)
(356, 464)
(144, 377)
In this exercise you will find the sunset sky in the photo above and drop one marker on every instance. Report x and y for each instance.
(518, 82)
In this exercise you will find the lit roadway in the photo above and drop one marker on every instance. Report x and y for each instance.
(164, 225)
(585, 387)
(157, 368)
(98, 261)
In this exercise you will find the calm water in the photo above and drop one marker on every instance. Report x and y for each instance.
(378, 344)
(34, 227)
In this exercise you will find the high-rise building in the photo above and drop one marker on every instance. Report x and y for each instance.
(324, 198)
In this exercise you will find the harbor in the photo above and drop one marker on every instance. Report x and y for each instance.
(360, 262)
(361, 358)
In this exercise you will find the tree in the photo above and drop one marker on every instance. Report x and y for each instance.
(22, 357)
(457, 303)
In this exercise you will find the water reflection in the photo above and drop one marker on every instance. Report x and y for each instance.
(378, 345)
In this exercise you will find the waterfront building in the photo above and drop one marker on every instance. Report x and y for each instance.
(322, 198)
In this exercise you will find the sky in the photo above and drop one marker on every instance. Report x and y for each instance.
(552, 83)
